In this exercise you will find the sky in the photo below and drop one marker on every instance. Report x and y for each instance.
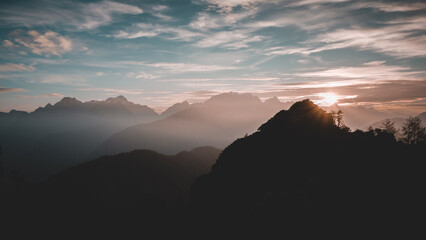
(157, 53)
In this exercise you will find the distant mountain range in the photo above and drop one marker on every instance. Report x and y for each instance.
(56, 136)
(69, 132)
(111, 106)
(216, 122)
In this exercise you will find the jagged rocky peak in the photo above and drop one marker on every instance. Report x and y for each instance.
(68, 101)
(273, 100)
(119, 99)
(233, 97)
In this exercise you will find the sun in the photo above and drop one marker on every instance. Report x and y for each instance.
(328, 98)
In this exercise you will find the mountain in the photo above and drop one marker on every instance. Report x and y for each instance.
(57, 136)
(175, 109)
(111, 106)
(131, 186)
(216, 122)
(300, 171)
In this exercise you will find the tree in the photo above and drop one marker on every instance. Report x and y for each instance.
(412, 130)
(338, 118)
(389, 127)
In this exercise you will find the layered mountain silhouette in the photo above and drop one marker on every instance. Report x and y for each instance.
(298, 172)
(134, 186)
(111, 106)
(300, 169)
(175, 109)
(57, 136)
(216, 122)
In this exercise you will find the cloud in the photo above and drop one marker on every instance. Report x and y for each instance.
(13, 67)
(377, 93)
(401, 38)
(182, 67)
(48, 43)
(145, 75)
(226, 6)
(47, 95)
(391, 6)
(370, 71)
(258, 79)
(7, 90)
(111, 90)
(152, 30)
(158, 11)
(99, 74)
(7, 43)
(229, 39)
(98, 14)
(206, 21)
(314, 2)
(67, 13)
(61, 79)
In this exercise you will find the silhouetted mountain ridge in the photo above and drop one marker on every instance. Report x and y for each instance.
(141, 183)
(299, 168)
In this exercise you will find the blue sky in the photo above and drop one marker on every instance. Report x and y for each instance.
(157, 53)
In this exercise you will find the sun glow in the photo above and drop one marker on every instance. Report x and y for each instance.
(328, 99)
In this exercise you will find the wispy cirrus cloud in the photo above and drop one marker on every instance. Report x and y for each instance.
(76, 14)
(47, 95)
(206, 21)
(370, 71)
(152, 30)
(400, 38)
(70, 80)
(8, 90)
(13, 67)
(111, 91)
(390, 6)
(145, 75)
(229, 39)
(159, 12)
(182, 67)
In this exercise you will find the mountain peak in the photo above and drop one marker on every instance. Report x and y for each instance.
(273, 100)
(118, 99)
(304, 114)
(175, 108)
(234, 97)
(68, 101)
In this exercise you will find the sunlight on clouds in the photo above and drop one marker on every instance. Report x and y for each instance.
(372, 71)
(48, 43)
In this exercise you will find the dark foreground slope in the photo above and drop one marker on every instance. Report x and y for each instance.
(300, 170)
(130, 188)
